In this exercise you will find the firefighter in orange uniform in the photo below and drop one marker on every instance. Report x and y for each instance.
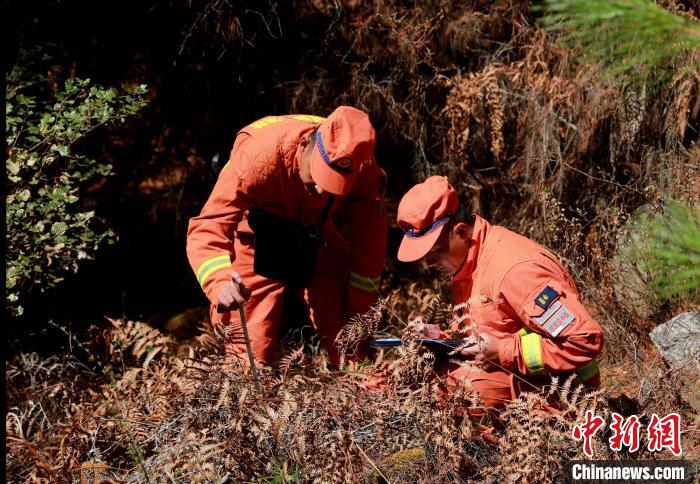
(268, 227)
(508, 289)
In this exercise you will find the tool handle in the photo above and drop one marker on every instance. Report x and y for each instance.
(442, 344)
(249, 350)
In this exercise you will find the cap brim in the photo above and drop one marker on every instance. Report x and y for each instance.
(328, 179)
(415, 248)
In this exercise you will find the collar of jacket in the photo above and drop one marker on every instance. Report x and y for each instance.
(296, 160)
(476, 246)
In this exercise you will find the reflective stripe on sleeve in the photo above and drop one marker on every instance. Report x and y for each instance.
(364, 283)
(267, 120)
(587, 372)
(212, 265)
(309, 118)
(532, 352)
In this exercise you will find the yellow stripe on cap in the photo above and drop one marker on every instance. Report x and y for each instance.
(364, 283)
(532, 352)
(209, 266)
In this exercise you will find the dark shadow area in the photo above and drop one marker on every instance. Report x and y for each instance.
(203, 87)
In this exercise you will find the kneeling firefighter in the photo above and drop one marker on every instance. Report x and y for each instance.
(268, 228)
(509, 290)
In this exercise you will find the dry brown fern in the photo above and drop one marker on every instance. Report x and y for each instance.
(140, 340)
(359, 329)
(537, 440)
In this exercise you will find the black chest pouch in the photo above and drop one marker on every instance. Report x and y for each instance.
(285, 250)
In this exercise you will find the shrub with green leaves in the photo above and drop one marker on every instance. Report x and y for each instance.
(47, 231)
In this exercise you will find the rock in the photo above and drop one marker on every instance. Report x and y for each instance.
(678, 339)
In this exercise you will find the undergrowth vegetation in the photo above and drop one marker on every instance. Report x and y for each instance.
(600, 172)
(149, 410)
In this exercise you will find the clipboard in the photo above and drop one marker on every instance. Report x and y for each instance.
(437, 344)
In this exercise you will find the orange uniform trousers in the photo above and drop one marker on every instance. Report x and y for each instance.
(497, 387)
(324, 299)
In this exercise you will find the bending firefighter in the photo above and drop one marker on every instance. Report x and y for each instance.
(269, 228)
(508, 289)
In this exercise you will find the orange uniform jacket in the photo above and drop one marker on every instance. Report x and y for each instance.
(263, 172)
(516, 290)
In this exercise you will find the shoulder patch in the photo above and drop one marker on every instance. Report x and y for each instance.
(547, 314)
(546, 297)
(559, 320)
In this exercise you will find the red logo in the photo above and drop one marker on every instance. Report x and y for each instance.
(626, 433)
(587, 430)
(665, 432)
(662, 433)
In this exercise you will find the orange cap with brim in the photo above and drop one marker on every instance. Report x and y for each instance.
(423, 213)
(344, 141)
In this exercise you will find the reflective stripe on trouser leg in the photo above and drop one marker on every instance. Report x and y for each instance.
(588, 371)
(369, 284)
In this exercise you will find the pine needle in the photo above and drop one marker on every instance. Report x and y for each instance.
(627, 37)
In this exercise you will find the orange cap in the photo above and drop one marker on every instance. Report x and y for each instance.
(344, 140)
(422, 214)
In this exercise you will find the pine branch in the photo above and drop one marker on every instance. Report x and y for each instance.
(627, 37)
(670, 252)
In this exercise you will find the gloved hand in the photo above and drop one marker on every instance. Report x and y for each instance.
(485, 352)
(427, 330)
(233, 295)
(374, 382)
